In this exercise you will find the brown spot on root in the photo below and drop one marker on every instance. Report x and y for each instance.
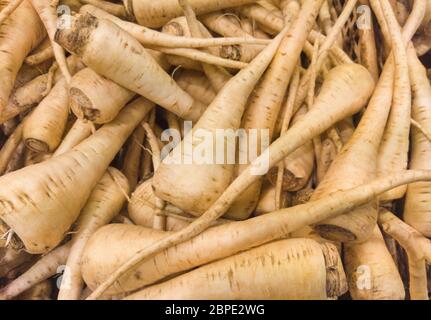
(75, 38)
(82, 106)
(232, 52)
(334, 233)
(336, 282)
(174, 28)
(36, 145)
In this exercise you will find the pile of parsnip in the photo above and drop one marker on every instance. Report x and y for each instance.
(334, 99)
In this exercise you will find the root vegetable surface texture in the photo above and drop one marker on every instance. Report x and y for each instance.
(215, 149)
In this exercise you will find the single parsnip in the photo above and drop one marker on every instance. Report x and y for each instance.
(356, 164)
(155, 14)
(266, 100)
(94, 98)
(196, 84)
(217, 242)
(418, 251)
(20, 33)
(62, 184)
(417, 212)
(394, 148)
(77, 133)
(149, 37)
(47, 266)
(371, 271)
(104, 203)
(299, 269)
(213, 176)
(139, 72)
(44, 128)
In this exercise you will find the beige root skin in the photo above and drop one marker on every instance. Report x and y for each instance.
(114, 9)
(359, 164)
(133, 157)
(20, 33)
(149, 37)
(156, 14)
(394, 148)
(371, 270)
(47, 12)
(197, 85)
(95, 98)
(367, 46)
(299, 165)
(39, 57)
(266, 100)
(225, 112)
(217, 75)
(142, 207)
(34, 91)
(77, 133)
(416, 210)
(267, 200)
(418, 250)
(324, 48)
(69, 177)
(352, 77)
(103, 205)
(47, 266)
(289, 269)
(228, 239)
(139, 73)
(264, 17)
(199, 56)
(221, 24)
(43, 130)
(8, 9)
